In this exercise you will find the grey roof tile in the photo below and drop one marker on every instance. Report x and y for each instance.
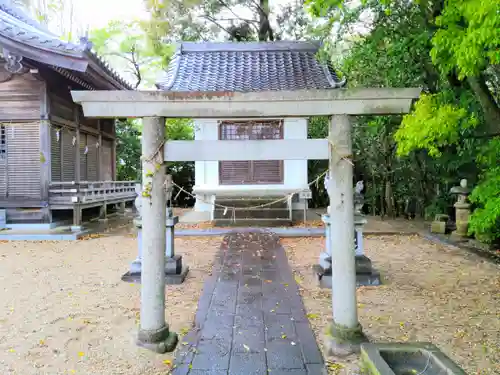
(17, 26)
(244, 67)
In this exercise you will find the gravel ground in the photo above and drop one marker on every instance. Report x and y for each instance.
(431, 293)
(64, 309)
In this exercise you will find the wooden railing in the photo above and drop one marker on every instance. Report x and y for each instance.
(89, 192)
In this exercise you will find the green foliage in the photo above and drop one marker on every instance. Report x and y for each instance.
(468, 38)
(128, 46)
(485, 220)
(128, 150)
(434, 123)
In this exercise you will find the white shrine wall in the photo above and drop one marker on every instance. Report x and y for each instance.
(207, 185)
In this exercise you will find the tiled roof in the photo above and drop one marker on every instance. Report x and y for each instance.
(244, 67)
(19, 31)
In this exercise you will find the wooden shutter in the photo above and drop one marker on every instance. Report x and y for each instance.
(83, 157)
(251, 172)
(23, 160)
(68, 155)
(55, 151)
(92, 158)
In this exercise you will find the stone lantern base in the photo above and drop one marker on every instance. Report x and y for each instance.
(366, 275)
(175, 271)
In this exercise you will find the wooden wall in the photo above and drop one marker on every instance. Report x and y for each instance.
(42, 131)
(94, 137)
(19, 96)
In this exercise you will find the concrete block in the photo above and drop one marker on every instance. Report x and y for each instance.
(438, 227)
(406, 358)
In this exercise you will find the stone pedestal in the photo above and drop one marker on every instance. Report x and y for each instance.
(365, 273)
(462, 213)
(175, 271)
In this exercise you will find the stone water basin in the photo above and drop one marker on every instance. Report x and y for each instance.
(407, 359)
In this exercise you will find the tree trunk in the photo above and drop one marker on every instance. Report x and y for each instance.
(490, 107)
(389, 198)
(265, 30)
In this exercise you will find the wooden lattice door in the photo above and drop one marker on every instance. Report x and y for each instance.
(251, 172)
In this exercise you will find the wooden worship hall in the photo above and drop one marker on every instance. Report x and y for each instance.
(53, 159)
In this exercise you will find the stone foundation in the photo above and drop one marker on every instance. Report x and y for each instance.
(366, 275)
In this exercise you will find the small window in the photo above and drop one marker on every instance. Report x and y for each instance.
(3, 141)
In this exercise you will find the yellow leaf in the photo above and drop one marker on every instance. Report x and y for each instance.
(11, 350)
(81, 354)
(190, 366)
(168, 362)
(42, 342)
(283, 336)
(312, 316)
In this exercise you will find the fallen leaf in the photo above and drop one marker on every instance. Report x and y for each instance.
(81, 354)
(312, 316)
(168, 362)
(247, 348)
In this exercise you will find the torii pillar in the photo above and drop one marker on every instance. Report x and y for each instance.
(154, 333)
(345, 333)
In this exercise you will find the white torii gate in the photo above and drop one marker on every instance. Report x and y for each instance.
(154, 106)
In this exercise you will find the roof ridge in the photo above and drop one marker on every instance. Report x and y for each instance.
(275, 46)
(18, 26)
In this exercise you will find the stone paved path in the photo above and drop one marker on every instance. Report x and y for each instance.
(250, 319)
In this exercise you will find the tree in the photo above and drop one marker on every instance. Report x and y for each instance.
(452, 50)
(236, 20)
(127, 46)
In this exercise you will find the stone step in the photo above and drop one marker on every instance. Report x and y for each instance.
(262, 213)
(252, 223)
(252, 202)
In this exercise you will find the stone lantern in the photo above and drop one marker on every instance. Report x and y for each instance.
(365, 274)
(462, 209)
(175, 271)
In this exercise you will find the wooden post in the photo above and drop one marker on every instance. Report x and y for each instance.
(113, 152)
(99, 152)
(345, 333)
(154, 333)
(77, 146)
(45, 152)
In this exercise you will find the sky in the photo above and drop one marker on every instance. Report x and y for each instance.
(97, 13)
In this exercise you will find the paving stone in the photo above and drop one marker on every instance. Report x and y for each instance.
(211, 355)
(203, 372)
(284, 355)
(252, 287)
(289, 372)
(316, 369)
(308, 344)
(250, 340)
(248, 364)
(278, 326)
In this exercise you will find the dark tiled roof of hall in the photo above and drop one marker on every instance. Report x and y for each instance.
(249, 66)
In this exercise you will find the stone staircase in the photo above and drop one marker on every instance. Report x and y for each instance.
(246, 214)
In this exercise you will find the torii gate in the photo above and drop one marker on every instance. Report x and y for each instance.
(154, 106)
